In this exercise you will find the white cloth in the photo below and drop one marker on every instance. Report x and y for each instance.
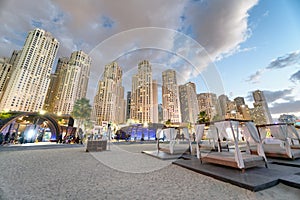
(253, 133)
(199, 134)
(234, 125)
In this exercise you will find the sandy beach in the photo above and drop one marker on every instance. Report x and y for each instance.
(119, 173)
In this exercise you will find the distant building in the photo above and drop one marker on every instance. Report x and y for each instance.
(223, 99)
(155, 101)
(170, 97)
(68, 83)
(109, 104)
(260, 113)
(31, 77)
(286, 118)
(128, 105)
(5, 73)
(242, 108)
(188, 102)
(142, 106)
(208, 103)
(160, 113)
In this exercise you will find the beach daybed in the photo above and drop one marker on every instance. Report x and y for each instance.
(279, 140)
(168, 136)
(234, 131)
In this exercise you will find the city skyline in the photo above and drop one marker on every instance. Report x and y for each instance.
(257, 43)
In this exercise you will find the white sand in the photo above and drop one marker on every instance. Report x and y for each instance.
(121, 173)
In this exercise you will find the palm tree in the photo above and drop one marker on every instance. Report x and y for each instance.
(81, 112)
(168, 123)
(202, 117)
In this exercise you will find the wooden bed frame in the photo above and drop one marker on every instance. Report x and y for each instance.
(276, 151)
(228, 159)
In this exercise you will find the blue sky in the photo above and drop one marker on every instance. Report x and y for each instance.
(275, 31)
(230, 46)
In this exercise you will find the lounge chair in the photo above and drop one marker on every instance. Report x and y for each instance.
(279, 141)
(233, 130)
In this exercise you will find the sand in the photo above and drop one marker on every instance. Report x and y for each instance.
(119, 173)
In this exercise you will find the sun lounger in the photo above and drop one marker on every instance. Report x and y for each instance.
(231, 129)
(279, 141)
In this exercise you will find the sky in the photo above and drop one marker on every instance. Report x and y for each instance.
(230, 47)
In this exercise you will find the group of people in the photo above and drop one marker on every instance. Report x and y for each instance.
(69, 139)
(12, 138)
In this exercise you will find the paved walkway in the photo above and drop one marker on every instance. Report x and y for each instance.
(121, 173)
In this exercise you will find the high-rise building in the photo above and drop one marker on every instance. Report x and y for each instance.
(82, 61)
(120, 105)
(155, 101)
(68, 83)
(188, 102)
(223, 99)
(5, 71)
(260, 113)
(58, 83)
(170, 97)
(109, 100)
(27, 90)
(208, 102)
(242, 108)
(128, 105)
(142, 107)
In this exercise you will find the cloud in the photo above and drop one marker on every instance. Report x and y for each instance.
(219, 27)
(254, 78)
(287, 60)
(272, 96)
(287, 107)
(295, 77)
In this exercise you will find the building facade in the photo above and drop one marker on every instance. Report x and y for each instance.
(260, 113)
(208, 102)
(68, 83)
(142, 105)
(27, 90)
(109, 105)
(188, 102)
(170, 97)
(128, 105)
(242, 108)
(5, 71)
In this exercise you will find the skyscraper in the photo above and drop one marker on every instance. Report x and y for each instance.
(170, 97)
(223, 99)
(68, 83)
(128, 105)
(208, 102)
(142, 94)
(7, 67)
(27, 90)
(155, 101)
(260, 113)
(5, 71)
(188, 102)
(109, 100)
(242, 108)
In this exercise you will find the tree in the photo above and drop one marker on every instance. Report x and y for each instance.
(168, 123)
(81, 112)
(202, 117)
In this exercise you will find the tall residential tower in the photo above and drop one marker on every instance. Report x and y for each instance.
(109, 103)
(188, 102)
(68, 83)
(27, 90)
(170, 97)
(142, 102)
